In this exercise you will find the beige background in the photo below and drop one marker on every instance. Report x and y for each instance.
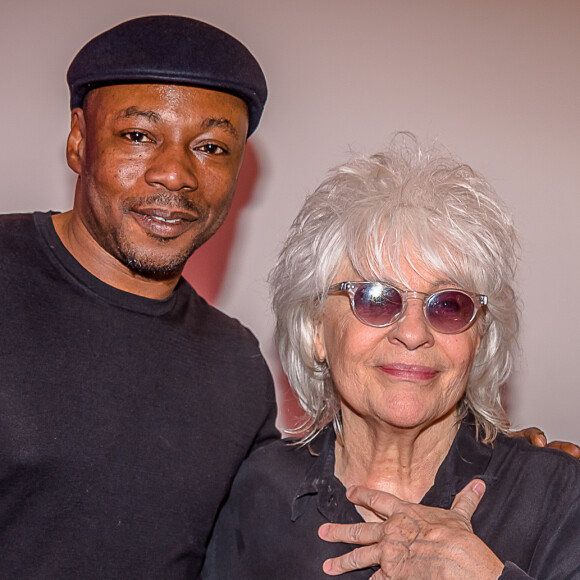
(498, 82)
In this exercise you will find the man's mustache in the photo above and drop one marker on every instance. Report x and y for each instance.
(173, 200)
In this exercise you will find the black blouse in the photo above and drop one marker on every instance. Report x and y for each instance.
(529, 515)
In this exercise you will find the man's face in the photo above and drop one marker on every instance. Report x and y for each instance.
(158, 166)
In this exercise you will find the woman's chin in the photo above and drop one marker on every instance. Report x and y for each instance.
(410, 414)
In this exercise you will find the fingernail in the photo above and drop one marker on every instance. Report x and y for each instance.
(479, 488)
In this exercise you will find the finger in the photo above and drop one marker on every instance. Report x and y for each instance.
(566, 447)
(357, 559)
(467, 500)
(534, 435)
(382, 503)
(360, 533)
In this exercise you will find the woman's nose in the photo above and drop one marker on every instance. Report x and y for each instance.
(412, 329)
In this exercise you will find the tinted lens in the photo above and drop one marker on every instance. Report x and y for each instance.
(377, 304)
(450, 311)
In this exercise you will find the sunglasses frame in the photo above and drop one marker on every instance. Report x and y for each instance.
(478, 300)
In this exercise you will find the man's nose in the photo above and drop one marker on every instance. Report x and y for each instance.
(174, 167)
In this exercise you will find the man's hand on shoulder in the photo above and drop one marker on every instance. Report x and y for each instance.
(537, 437)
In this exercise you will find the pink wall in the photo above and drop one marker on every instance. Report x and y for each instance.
(498, 82)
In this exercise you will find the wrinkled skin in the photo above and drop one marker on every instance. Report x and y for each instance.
(414, 541)
(410, 533)
(399, 386)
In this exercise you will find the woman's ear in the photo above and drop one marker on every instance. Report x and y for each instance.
(319, 347)
(75, 144)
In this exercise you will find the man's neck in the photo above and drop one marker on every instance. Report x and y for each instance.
(91, 256)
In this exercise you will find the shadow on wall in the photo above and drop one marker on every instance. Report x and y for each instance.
(207, 268)
(291, 417)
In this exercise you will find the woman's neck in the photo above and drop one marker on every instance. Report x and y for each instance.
(402, 462)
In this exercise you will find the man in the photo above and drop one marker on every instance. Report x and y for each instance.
(126, 402)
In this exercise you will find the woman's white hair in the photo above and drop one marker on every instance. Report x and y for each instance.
(373, 209)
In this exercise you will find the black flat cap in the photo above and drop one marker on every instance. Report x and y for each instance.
(169, 49)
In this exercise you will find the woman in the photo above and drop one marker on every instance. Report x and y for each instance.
(396, 323)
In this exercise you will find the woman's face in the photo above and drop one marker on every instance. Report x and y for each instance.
(406, 375)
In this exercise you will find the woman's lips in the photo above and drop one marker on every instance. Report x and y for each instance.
(161, 222)
(409, 372)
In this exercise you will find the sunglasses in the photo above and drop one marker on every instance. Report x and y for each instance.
(377, 304)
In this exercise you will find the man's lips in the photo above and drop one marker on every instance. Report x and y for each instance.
(164, 222)
(409, 372)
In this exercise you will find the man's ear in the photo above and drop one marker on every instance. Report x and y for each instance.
(75, 144)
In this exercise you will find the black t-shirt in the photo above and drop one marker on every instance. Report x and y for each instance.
(123, 420)
(529, 515)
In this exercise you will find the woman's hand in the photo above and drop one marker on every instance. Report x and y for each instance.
(536, 437)
(414, 541)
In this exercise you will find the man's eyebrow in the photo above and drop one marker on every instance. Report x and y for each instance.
(222, 123)
(131, 112)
